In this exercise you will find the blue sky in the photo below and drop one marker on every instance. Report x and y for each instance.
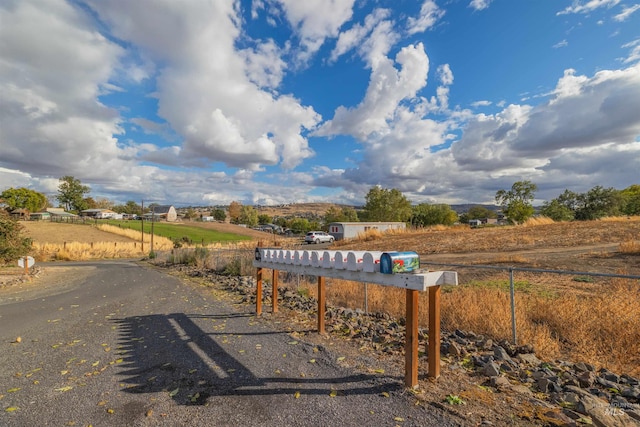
(281, 101)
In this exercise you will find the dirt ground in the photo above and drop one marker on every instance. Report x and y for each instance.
(59, 233)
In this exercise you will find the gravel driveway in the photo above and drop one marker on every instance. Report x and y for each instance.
(119, 344)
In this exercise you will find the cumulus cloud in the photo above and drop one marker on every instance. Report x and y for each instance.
(210, 94)
(51, 121)
(315, 20)
(354, 36)
(388, 86)
(584, 118)
(430, 13)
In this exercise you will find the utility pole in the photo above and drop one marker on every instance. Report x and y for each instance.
(153, 219)
(142, 224)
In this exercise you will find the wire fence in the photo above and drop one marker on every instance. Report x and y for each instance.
(545, 287)
(581, 315)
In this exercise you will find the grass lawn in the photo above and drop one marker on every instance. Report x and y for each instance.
(180, 231)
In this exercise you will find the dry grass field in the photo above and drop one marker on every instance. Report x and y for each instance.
(571, 316)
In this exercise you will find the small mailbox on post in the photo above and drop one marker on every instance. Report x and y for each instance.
(26, 262)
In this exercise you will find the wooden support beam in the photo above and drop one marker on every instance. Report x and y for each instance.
(259, 292)
(411, 339)
(274, 291)
(433, 357)
(321, 304)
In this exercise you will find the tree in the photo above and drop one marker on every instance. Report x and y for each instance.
(631, 197)
(386, 205)
(425, 214)
(264, 219)
(598, 203)
(557, 211)
(517, 203)
(248, 216)
(131, 208)
(480, 212)
(344, 214)
(235, 208)
(12, 244)
(190, 214)
(23, 198)
(71, 193)
(219, 214)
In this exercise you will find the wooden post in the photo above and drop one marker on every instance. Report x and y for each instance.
(411, 340)
(274, 291)
(434, 333)
(259, 291)
(321, 304)
(26, 266)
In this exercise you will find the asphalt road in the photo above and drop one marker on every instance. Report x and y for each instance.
(121, 344)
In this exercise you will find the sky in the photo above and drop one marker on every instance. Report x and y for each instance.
(204, 102)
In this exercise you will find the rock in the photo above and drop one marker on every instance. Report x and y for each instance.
(529, 359)
(557, 418)
(491, 369)
(600, 411)
(499, 382)
(586, 379)
(454, 349)
(501, 354)
(547, 385)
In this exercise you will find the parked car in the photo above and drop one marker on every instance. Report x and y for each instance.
(318, 237)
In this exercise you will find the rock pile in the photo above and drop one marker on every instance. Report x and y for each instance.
(583, 394)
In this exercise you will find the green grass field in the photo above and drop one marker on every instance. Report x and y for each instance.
(180, 232)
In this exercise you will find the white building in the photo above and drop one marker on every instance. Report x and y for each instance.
(347, 230)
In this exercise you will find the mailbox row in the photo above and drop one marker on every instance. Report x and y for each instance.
(366, 261)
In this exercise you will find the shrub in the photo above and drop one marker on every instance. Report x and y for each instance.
(12, 244)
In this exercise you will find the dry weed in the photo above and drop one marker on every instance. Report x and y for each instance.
(538, 220)
(599, 326)
(630, 247)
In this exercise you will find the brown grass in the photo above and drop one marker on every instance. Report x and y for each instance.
(599, 327)
(579, 318)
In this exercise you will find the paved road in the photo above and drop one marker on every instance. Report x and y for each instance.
(119, 344)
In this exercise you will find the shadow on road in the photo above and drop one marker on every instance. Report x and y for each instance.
(172, 353)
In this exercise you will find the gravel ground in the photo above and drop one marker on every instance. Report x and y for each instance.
(120, 344)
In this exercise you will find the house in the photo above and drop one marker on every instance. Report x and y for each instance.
(347, 230)
(40, 216)
(22, 214)
(99, 213)
(161, 213)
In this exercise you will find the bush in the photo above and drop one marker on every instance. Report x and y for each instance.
(12, 244)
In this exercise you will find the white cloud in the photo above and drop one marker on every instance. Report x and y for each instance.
(587, 7)
(53, 68)
(585, 118)
(479, 4)
(563, 43)
(634, 56)
(430, 13)
(355, 35)
(315, 20)
(481, 103)
(626, 12)
(387, 88)
(210, 94)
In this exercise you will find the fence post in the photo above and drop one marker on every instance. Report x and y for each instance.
(321, 304)
(411, 340)
(366, 298)
(433, 357)
(512, 291)
(259, 291)
(274, 291)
